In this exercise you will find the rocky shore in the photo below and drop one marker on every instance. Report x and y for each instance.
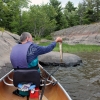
(8, 40)
(81, 34)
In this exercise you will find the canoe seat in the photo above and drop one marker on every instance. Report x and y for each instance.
(26, 76)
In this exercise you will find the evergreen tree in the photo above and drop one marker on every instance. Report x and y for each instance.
(70, 13)
(60, 19)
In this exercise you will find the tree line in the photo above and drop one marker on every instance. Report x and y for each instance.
(41, 20)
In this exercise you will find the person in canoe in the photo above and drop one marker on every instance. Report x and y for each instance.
(25, 54)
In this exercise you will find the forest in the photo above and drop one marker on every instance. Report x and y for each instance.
(18, 16)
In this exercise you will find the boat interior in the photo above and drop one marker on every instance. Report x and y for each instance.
(51, 92)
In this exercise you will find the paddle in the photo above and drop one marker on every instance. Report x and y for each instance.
(61, 53)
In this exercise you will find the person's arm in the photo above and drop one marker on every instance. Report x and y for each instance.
(35, 50)
(46, 49)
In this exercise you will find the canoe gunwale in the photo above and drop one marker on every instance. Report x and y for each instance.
(7, 83)
(6, 75)
(58, 84)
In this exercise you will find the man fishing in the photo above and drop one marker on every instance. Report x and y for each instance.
(25, 54)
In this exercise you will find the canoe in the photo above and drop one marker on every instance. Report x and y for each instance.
(53, 89)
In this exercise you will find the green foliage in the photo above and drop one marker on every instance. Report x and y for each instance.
(60, 18)
(37, 38)
(88, 16)
(41, 20)
(11, 13)
(2, 30)
(70, 6)
(70, 14)
(89, 11)
(49, 37)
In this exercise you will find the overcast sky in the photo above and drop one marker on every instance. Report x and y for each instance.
(63, 2)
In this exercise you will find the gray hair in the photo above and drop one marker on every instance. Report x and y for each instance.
(24, 35)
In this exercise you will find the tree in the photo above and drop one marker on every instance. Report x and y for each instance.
(88, 16)
(11, 13)
(5, 15)
(89, 11)
(70, 7)
(97, 9)
(60, 19)
(25, 21)
(80, 11)
(51, 13)
(71, 14)
(41, 22)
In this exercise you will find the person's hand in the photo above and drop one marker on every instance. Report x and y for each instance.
(58, 39)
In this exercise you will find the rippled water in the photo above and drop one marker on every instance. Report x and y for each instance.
(82, 82)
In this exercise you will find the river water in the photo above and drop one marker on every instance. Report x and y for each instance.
(81, 82)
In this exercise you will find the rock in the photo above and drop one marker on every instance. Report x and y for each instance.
(7, 40)
(81, 34)
(53, 58)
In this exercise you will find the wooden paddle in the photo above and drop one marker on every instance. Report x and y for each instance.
(61, 52)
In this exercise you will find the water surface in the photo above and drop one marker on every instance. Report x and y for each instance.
(81, 82)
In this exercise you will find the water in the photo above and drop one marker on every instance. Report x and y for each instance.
(81, 82)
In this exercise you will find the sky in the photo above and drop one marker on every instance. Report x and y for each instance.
(63, 2)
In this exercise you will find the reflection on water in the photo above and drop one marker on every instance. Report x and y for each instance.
(82, 82)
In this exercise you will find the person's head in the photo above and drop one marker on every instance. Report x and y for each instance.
(25, 37)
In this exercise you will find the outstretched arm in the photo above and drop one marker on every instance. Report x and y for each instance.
(46, 49)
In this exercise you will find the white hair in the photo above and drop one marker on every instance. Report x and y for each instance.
(24, 35)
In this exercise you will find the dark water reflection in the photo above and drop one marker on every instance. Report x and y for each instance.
(82, 82)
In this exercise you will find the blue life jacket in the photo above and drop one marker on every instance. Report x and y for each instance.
(18, 55)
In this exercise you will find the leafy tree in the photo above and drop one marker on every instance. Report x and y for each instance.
(41, 22)
(25, 23)
(11, 13)
(51, 13)
(5, 15)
